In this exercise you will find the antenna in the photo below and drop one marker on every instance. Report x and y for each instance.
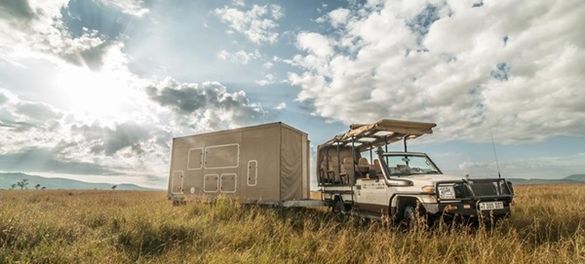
(495, 154)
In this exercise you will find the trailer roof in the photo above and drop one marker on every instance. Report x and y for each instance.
(240, 129)
(381, 132)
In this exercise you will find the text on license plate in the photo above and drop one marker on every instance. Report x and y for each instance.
(491, 205)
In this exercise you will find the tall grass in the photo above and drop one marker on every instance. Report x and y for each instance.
(548, 226)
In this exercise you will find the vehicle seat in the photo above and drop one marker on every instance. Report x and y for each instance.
(347, 169)
(363, 166)
(333, 172)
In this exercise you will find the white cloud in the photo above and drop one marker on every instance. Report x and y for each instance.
(338, 17)
(516, 69)
(268, 79)
(130, 7)
(36, 29)
(280, 106)
(315, 43)
(258, 24)
(267, 65)
(239, 57)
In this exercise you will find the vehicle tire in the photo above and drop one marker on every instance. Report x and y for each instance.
(338, 206)
(411, 216)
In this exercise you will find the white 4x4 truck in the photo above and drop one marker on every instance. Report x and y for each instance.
(401, 185)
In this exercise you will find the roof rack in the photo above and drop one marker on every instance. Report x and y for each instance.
(380, 133)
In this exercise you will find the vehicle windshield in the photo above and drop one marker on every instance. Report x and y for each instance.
(404, 165)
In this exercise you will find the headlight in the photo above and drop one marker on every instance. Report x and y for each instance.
(446, 192)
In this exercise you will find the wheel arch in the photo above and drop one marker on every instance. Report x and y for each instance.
(398, 202)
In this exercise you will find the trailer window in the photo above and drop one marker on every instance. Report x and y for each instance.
(222, 156)
(252, 172)
(228, 183)
(195, 159)
(210, 183)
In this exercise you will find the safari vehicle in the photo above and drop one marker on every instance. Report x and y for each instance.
(358, 174)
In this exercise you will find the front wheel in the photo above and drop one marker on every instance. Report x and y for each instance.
(412, 217)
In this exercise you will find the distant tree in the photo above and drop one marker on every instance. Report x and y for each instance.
(22, 184)
(43, 188)
(38, 186)
(114, 187)
(13, 186)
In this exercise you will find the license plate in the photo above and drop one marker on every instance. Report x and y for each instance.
(491, 206)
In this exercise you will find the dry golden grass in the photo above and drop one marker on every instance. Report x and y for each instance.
(127, 227)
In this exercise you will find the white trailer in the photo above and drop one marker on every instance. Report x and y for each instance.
(266, 164)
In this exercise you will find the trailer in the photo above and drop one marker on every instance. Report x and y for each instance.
(264, 164)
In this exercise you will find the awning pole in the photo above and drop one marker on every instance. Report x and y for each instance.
(405, 149)
(371, 156)
(385, 143)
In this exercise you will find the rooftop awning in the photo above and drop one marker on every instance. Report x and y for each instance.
(383, 132)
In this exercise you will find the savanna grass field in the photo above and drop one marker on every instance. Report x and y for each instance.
(547, 226)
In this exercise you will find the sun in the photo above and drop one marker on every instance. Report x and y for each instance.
(101, 95)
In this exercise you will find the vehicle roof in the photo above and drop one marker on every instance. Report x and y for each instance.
(382, 132)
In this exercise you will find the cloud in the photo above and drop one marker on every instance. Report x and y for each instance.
(17, 9)
(36, 137)
(3, 98)
(239, 57)
(258, 24)
(37, 111)
(501, 66)
(268, 79)
(280, 106)
(316, 44)
(111, 140)
(130, 7)
(206, 105)
(338, 17)
(267, 65)
(37, 29)
(18, 116)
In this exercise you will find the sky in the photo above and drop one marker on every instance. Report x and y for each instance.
(95, 90)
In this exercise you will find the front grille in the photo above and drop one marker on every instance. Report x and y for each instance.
(489, 188)
(484, 188)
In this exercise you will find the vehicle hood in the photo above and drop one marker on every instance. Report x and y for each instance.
(431, 179)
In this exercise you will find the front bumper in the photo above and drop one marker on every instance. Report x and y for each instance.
(467, 199)
(469, 208)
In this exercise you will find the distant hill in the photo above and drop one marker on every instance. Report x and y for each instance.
(7, 179)
(575, 178)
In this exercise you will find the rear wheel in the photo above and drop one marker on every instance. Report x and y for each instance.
(338, 207)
